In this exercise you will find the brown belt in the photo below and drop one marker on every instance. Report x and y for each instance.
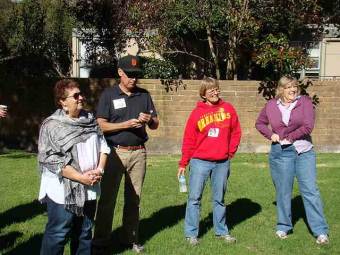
(130, 148)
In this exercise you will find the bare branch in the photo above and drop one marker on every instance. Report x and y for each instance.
(187, 53)
(7, 58)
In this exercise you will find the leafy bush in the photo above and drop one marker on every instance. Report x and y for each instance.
(159, 69)
(277, 58)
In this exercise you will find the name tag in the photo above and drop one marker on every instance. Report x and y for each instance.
(213, 132)
(119, 103)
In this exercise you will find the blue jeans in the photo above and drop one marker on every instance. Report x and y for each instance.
(63, 224)
(285, 164)
(200, 170)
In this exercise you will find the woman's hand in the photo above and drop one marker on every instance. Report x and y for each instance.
(181, 171)
(275, 138)
(91, 177)
(88, 178)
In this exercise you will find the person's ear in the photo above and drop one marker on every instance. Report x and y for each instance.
(63, 105)
(120, 72)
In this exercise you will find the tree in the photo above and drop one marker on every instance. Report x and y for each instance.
(277, 57)
(194, 27)
(242, 31)
(330, 12)
(104, 28)
(223, 32)
(36, 38)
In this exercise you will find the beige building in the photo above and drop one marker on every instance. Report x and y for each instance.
(330, 58)
(325, 55)
(81, 69)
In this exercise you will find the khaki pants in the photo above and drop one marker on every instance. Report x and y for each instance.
(131, 164)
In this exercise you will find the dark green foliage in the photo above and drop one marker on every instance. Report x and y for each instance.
(159, 69)
(102, 26)
(36, 39)
(277, 58)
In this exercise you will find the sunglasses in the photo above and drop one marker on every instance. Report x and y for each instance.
(76, 95)
(134, 75)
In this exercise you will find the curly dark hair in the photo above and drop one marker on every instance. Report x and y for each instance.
(60, 89)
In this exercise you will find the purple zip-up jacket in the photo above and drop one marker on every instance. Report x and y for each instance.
(300, 125)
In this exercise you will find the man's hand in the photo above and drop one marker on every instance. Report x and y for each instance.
(144, 117)
(134, 123)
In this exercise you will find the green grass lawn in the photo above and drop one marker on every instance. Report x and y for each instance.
(250, 203)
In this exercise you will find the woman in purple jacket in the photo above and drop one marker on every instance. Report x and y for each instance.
(288, 121)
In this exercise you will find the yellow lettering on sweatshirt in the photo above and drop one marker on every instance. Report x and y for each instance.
(212, 117)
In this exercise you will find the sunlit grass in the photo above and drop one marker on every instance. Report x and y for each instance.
(250, 199)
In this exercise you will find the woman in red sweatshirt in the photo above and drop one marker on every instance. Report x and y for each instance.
(211, 137)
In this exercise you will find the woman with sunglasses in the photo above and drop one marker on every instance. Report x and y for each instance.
(72, 155)
(211, 138)
(287, 121)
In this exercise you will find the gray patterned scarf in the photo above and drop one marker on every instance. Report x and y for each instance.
(57, 139)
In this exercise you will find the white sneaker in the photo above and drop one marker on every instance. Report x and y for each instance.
(137, 248)
(281, 234)
(228, 238)
(193, 240)
(322, 239)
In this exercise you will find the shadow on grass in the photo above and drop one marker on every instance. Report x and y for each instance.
(31, 246)
(20, 213)
(237, 212)
(298, 212)
(157, 222)
(7, 240)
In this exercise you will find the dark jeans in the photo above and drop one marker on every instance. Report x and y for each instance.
(63, 224)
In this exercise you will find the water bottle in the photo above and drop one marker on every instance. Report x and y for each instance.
(182, 184)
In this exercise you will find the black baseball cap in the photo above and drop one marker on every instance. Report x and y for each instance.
(131, 65)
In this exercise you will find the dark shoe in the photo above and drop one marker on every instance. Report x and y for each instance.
(100, 250)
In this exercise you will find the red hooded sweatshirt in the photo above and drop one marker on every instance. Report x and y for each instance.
(212, 133)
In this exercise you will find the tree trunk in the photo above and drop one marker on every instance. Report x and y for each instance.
(212, 51)
(231, 56)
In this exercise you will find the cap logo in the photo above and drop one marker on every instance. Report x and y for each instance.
(133, 61)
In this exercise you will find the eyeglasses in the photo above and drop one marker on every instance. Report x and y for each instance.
(213, 91)
(76, 95)
(291, 87)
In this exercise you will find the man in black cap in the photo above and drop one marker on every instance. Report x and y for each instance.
(123, 112)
